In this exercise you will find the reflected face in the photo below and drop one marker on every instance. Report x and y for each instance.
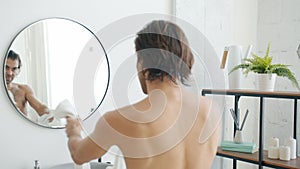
(11, 70)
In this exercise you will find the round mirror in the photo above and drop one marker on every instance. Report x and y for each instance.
(39, 69)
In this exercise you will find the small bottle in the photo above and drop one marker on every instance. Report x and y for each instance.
(36, 164)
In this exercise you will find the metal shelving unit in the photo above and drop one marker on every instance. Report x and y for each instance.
(260, 157)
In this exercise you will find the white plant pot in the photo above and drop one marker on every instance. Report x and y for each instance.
(265, 82)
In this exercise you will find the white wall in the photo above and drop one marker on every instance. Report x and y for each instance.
(257, 23)
(211, 17)
(280, 26)
(21, 141)
(243, 22)
(253, 22)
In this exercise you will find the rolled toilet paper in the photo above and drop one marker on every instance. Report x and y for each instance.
(274, 142)
(284, 153)
(273, 152)
(292, 144)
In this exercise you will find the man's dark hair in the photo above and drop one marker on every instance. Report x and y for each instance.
(167, 54)
(14, 56)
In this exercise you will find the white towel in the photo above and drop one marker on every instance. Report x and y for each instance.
(44, 119)
(64, 108)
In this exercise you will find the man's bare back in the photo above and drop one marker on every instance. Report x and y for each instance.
(170, 140)
(186, 152)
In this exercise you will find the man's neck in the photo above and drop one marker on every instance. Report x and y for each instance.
(167, 87)
(9, 86)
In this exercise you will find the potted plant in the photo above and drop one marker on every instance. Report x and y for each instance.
(263, 66)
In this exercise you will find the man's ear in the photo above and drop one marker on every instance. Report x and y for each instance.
(18, 72)
(142, 79)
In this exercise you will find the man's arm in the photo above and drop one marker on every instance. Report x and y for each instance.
(39, 107)
(82, 149)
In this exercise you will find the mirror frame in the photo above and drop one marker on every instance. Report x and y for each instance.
(9, 47)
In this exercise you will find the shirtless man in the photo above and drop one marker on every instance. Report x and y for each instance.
(162, 130)
(20, 93)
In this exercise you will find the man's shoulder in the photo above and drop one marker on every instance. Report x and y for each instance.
(110, 115)
(22, 86)
(25, 88)
(117, 113)
(205, 100)
(201, 101)
(123, 117)
(130, 108)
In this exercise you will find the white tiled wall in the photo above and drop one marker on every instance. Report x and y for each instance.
(255, 22)
(279, 24)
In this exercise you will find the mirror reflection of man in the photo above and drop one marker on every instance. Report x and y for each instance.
(21, 94)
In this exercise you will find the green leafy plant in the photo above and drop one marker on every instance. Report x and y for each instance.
(264, 64)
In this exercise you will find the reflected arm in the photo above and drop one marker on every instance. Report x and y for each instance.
(39, 107)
